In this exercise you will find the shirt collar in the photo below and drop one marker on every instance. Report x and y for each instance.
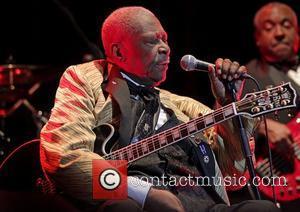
(131, 80)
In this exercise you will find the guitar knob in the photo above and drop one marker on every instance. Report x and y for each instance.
(281, 192)
(298, 179)
(255, 109)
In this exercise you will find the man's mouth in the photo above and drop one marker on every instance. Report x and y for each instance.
(281, 44)
(164, 62)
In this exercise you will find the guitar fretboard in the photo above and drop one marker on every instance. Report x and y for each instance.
(151, 144)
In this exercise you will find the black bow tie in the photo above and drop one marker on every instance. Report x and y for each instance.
(147, 93)
(150, 96)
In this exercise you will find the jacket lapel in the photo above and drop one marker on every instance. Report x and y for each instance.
(117, 87)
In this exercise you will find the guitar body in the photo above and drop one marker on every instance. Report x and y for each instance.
(289, 170)
(106, 139)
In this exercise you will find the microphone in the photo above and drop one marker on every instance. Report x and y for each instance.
(190, 63)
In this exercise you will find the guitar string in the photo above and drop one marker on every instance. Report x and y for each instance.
(138, 146)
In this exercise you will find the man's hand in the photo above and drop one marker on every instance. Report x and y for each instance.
(225, 72)
(279, 135)
(162, 200)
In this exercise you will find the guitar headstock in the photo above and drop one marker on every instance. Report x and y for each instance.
(266, 101)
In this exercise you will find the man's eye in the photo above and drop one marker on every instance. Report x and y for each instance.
(152, 41)
(287, 24)
(268, 26)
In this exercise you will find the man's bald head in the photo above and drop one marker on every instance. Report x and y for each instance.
(266, 9)
(121, 23)
(276, 32)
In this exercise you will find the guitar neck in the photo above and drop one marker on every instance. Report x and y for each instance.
(156, 142)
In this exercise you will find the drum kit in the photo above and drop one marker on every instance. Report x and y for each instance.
(18, 82)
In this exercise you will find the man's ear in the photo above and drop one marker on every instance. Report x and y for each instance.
(117, 52)
(256, 38)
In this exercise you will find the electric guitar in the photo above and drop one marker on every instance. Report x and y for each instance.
(288, 170)
(253, 105)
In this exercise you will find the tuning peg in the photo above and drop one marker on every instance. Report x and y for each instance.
(269, 86)
(253, 96)
(255, 110)
(283, 102)
(270, 106)
(282, 82)
(281, 88)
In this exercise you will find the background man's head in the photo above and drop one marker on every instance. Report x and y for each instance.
(276, 32)
(134, 40)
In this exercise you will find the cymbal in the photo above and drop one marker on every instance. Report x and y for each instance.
(13, 75)
(21, 66)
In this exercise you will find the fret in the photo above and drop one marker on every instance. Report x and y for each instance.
(228, 112)
(113, 157)
(169, 138)
(162, 139)
(176, 134)
(156, 142)
(208, 120)
(191, 127)
(117, 156)
(145, 148)
(134, 151)
(200, 124)
(219, 116)
(150, 145)
(130, 156)
(184, 131)
(139, 149)
(125, 155)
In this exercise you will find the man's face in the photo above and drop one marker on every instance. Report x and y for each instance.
(147, 51)
(276, 34)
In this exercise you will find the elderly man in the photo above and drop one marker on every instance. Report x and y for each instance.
(120, 90)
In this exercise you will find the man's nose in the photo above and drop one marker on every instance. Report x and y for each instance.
(164, 49)
(279, 33)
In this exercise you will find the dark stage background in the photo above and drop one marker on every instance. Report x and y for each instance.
(58, 33)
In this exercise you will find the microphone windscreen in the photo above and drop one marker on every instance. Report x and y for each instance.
(188, 62)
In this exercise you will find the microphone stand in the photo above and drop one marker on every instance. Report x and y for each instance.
(245, 145)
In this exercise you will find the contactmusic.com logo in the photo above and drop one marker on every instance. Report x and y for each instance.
(109, 179)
